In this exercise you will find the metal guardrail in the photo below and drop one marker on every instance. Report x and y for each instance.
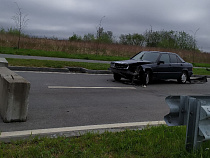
(194, 112)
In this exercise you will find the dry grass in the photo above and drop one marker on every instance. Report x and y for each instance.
(82, 47)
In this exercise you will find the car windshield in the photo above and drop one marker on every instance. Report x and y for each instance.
(149, 56)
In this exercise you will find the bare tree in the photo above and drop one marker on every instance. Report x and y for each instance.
(194, 43)
(99, 29)
(20, 20)
(98, 35)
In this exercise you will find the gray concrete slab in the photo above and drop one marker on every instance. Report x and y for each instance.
(14, 92)
(3, 62)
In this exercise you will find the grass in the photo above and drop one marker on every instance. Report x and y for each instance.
(201, 71)
(201, 65)
(151, 142)
(58, 54)
(56, 64)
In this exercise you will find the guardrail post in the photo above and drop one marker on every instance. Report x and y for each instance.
(192, 125)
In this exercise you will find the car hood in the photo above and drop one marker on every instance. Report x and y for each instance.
(132, 62)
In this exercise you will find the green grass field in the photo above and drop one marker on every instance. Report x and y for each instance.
(151, 142)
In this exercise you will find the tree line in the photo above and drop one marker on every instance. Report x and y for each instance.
(162, 39)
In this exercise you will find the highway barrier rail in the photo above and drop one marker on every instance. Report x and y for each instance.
(194, 112)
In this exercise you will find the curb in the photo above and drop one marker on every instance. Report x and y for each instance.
(76, 131)
(67, 69)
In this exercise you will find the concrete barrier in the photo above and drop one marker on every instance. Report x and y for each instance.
(14, 93)
(3, 62)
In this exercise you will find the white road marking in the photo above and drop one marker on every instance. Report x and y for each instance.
(65, 87)
(51, 131)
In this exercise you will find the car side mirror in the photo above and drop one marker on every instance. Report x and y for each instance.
(160, 62)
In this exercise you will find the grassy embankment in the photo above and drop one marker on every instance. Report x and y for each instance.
(152, 142)
(62, 64)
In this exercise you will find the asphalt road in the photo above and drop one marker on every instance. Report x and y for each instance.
(68, 100)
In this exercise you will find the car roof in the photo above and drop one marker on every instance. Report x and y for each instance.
(167, 52)
(160, 52)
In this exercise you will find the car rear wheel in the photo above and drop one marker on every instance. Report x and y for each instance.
(183, 78)
(117, 77)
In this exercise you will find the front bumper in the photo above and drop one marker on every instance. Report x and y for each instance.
(124, 72)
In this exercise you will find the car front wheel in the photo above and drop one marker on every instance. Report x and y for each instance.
(183, 78)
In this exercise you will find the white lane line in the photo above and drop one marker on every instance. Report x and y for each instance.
(77, 128)
(65, 87)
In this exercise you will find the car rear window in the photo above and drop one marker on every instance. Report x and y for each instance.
(173, 58)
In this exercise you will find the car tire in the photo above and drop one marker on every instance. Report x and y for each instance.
(117, 77)
(183, 78)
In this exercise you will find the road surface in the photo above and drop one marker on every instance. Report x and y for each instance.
(67, 99)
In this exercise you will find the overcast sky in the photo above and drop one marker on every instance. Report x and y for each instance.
(62, 18)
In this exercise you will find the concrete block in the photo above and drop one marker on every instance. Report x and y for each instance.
(3, 62)
(14, 96)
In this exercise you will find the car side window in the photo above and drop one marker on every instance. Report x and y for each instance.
(165, 58)
(173, 58)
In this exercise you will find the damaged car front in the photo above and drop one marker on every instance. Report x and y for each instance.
(133, 69)
(149, 65)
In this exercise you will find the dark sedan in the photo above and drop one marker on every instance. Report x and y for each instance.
(150, 65)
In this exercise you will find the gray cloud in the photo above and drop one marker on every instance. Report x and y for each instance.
(65, 17)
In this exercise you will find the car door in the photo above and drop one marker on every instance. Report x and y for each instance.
(164, 67)
(176, 68)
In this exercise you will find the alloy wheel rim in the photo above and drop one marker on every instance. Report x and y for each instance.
(147, 78)
(184, 78)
